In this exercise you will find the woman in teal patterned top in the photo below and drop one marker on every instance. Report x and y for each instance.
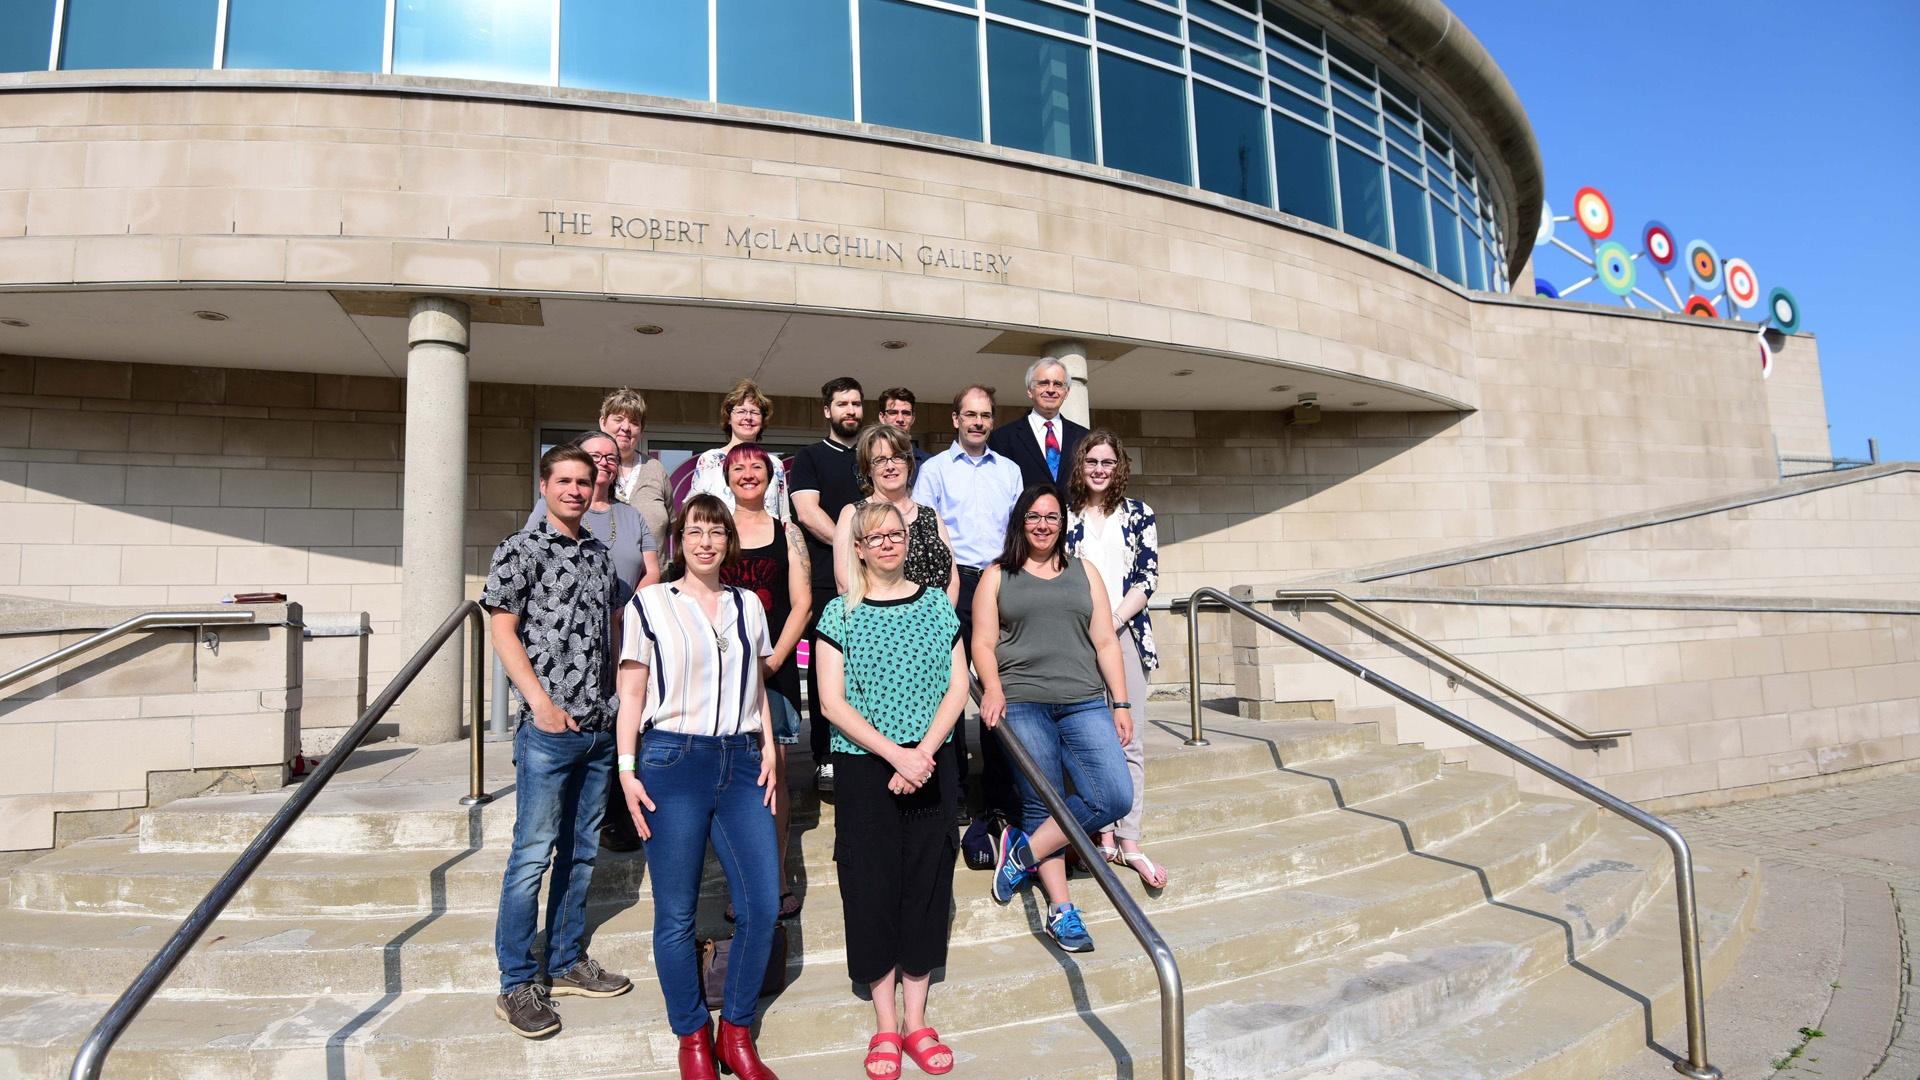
(892, 682)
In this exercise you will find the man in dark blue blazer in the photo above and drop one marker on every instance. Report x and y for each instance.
(1042, 443)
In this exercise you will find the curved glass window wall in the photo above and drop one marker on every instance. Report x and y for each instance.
(1245, 98)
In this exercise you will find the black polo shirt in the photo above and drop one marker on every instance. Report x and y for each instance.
(825, 467)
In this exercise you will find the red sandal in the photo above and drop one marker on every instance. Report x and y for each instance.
(921, 1054)
(876, 1055)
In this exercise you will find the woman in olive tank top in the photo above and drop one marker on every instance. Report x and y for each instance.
(1049, 663)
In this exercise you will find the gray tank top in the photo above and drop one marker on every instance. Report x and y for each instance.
(1044, 652)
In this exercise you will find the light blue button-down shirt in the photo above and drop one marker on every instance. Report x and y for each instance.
(974, 496)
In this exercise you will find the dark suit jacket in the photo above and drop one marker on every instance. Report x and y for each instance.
(1015, 440)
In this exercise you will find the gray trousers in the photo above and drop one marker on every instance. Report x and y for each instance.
(1128, 828)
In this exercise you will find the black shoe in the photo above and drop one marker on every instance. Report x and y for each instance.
(527, 1011)
(612, 839)
(586, 978)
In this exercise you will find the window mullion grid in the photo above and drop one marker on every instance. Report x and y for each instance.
(713, 50)
(1193, 110)
(59, 31)
(220, 36)
(553, 45)
(986, 88)
(853, 25)
(386, 45)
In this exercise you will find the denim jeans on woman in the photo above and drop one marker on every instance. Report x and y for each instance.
(705, 788)
(560, 785)
(1074, 742)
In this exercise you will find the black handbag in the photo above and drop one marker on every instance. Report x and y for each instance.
(713, 967)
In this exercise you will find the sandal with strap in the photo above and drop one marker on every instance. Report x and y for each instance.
(878, 1054)
(1148, 870)
(934, 1046)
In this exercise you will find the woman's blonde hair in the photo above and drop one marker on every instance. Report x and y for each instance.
(744, 392)
(867, 520)
(868, 446)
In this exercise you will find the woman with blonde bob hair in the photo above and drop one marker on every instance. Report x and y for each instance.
(893, 679)
(883, 463)
(744, 414)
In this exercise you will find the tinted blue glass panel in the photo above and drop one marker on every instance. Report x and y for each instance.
(1292, 24)
(1393, 86)
(1404, 160)
(1357, 133)
(919, 68)
(29, 37)
(1040, 93)
(1446, 243)
(1312, 85)
(1359, 111)
(1293, 104)
(1144, 14)
(1229, 47)
(1404, 138)
(1299, 54)
(317, 35)
(1143, 117)
(1040, 14)
(1345, 78)
(507, 40)
(1233, 144)
(139, 34)
(1410, 221)
(1222, 17)
(1347, 56)
(1476, 264)
(1303, 158)
(1363, 196)
(793, 55)
(1133, 41)
(654, 47)
(1226, 73)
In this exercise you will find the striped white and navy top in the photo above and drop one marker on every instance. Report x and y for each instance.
(703, 678)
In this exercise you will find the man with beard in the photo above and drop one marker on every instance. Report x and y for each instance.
(820, 484)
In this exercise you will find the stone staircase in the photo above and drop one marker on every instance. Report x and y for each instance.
(1340, 908)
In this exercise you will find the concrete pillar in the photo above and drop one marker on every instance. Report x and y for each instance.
(1073, 355)
(434, 514)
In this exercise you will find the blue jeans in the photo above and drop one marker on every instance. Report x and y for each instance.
(560, 782)
(705, 788)
(1073, 742)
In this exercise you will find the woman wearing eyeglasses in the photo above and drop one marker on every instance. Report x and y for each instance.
(744, 413)
(691, 679)
(883, 460)
(1118, 537)
(893, 679)
(1049, 665)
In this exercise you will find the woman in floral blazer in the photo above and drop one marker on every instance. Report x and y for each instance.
(1117, 535)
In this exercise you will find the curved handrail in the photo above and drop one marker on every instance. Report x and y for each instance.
(1695, 1065)
(150, 620)
(1173, 1007)
(1361, 608)
(99, 1042)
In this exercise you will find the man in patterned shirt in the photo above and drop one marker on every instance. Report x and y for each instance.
(549, 597)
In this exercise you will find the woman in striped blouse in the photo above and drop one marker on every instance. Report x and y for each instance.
(691, 678)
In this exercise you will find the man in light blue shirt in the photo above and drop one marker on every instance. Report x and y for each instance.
(973, 489)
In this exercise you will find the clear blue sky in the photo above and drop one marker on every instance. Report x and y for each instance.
(1785, 133)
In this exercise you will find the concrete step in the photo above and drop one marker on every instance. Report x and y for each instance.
(402, 812)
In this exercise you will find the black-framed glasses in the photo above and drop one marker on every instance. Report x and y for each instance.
(1034, 518)
(882, 539)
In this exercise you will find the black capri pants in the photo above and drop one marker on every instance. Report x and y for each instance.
(895, 855)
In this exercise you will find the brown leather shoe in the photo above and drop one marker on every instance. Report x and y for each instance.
(735, 1050)
(696, 1056)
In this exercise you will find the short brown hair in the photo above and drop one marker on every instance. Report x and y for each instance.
(703, 509)
(566, 452)
(976, 388)
(1079, 494)
(744, 392)
(624, 402)
(865, 447)
(896, 393)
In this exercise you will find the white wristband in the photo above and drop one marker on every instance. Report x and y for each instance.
(624, 763)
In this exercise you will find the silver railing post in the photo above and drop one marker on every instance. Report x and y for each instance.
(1199, 736)
(476, 735)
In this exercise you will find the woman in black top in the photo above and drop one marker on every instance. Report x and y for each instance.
(883, 464)
(773, 564)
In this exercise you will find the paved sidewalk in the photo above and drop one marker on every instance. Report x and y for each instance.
(1834, 948)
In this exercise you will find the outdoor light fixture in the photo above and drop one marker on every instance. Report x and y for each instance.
(1183, 373)
(19, 324)
(210, 316)
(893, 343)
(1281, 389)
(649, 329)
(1358, 404)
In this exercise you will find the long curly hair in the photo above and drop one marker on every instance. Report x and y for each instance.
(1079, 494)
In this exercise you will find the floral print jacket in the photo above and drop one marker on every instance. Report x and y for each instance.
(1142, 538)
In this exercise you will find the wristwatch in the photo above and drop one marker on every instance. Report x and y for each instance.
(1127, 705)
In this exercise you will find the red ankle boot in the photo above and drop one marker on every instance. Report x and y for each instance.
(735, 1049)
(696, 1056)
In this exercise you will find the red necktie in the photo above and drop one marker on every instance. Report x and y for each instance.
(1053, 452)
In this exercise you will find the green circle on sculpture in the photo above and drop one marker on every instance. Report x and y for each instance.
(1613, 264)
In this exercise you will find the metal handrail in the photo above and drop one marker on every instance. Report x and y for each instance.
(1695, 1065)
(1335, 596)
(151, 620)
(1173, 1008)
(99, 1042)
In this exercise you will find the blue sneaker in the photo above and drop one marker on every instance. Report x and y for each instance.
(1011, 870)
(1068, 932)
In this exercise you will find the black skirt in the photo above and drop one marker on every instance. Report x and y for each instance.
(896, 856)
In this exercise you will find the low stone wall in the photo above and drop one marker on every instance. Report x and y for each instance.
(141, 720)
(1725, 696)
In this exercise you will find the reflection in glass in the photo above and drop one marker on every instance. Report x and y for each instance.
(1040, 14)
(1112, 33)
(1144, 14)
(1040, 93)
(138, 34)
(793, 55)
(1143, 116)
(1410, 221)
(1233, 144)
(654, 47)
(1476, 265)
(1363, 196)
(29, 35)
(1446, 243)
(502, 40)
(919, 69)
(316, 35)
(1304, 170)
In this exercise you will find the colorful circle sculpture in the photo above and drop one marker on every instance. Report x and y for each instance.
(1784, 310)
(1543, 287)
(1766, 356)
(1614, 266)
(1594, 213)
(1703, 266)
(1743, 288)
(1657, 239)
(1543, 233)
(1701, 307)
